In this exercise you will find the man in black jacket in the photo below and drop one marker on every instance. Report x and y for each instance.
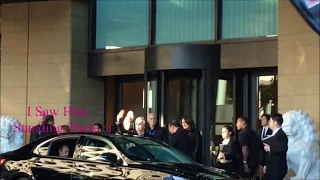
(276, 147)
(35, 131)
(249, 149)
(263, 132)
(180, 138)
(155, 131)
(48, 127)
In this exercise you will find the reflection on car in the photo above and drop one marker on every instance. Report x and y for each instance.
(102, 156)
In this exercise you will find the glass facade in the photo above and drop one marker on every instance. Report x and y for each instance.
(121, 23)
(184, 21)
(125, 23)
(248, 18)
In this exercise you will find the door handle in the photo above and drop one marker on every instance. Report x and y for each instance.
(80, 168)
(38, 163)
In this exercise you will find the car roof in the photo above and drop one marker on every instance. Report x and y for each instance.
(108, 136)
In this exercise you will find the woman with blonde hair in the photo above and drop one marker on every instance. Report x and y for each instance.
(140, 126)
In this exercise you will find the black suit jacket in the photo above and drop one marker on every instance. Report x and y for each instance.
(197, 144)
(182, 141)
(40, 131)
(231, 155)
(158, 133)
(35, 134)
(263, 154)
(276, 159)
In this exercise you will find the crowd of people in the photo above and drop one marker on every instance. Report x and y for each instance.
(250, 154)
(181, 134)
(255, 155)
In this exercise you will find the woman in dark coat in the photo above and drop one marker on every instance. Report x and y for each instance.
(228, 151)
(188, 124)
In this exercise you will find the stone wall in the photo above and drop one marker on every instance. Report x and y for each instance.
(44, 62)
(298, 63)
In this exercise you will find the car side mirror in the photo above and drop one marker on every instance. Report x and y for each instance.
(109, 157)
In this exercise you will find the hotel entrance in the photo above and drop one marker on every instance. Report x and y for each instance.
(169, 94)
(175, 80)
(172, 94)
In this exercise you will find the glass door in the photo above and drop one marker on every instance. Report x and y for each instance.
(131, 95)
(224, 108)
(172, 94)
(183, 97)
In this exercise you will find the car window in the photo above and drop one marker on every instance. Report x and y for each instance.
(142, 149)
(63, 147)
(92, 149)
(42, 149)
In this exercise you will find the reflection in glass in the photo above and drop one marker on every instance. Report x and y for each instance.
(121, 23)
(224, 102)
(144, 150)
(224, 110)
(268, 94)
(152, 97)
(132, 97)
(184, 21)
(183, 98)
(249, 18)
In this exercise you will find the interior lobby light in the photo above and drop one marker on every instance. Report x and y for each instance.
(149, 98)
(272, 35)
(112, 47)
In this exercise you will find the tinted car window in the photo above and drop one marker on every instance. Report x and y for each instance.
(142, 149)
(92, 149)
(56, 145)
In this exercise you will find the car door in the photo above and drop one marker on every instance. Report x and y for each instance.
(46, 162)
(89, 165)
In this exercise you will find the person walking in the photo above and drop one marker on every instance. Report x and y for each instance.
(276, 147)
(180, 138)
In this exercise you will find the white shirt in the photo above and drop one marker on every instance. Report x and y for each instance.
(275, 131)
(225, 141)
(264, 131)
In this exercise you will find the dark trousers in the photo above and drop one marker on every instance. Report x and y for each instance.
(243, 174)
(228, 167)
(275, 175)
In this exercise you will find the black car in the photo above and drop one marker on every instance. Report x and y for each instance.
(99, 156)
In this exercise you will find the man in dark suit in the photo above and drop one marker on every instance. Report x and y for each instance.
(35, 132)
(263, 132)
(276, 147)
(154, 130)
(180, 138)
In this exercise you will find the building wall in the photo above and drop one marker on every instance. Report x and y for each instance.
(253, 54)
(298, 63)
(44, 62)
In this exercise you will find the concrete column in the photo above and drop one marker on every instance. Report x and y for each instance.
(298, 63)
(14, 37)
(44, 62)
